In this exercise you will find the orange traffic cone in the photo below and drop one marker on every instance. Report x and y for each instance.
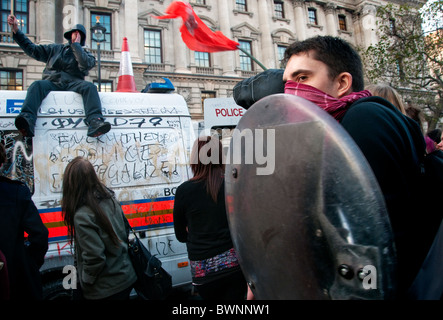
(126, 82)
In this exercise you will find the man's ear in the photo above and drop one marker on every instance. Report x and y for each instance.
(344, 81)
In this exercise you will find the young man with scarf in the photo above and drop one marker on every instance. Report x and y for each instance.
(328, 72)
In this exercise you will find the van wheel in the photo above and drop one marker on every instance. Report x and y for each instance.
(54, 291)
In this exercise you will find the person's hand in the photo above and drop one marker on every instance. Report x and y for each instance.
(76, 37)
(13, 23)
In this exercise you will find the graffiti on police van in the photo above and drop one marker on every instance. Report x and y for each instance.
(121, 158)
(19, 164)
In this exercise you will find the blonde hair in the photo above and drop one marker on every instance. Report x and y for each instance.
(389, 93)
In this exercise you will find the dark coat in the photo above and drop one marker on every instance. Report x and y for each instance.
(64, 62)
(394, 147)
(24, 257)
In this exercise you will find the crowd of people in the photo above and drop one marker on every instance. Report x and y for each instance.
(324, 70)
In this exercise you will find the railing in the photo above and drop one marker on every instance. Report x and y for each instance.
(6, 38)
(104, 54)
(248, 74)
(156, 67)
(204, 70)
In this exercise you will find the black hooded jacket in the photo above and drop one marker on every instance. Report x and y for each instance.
(64, 62)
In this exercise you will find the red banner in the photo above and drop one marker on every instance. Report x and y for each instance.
(196, 35)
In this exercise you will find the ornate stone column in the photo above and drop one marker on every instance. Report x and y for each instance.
(331, 24)
(266, 39)
(180, 49)
(70, 12)
(131, 29)
(32, 17)
(300, 20)
(45, 16)
(368, 24)
(227, 57)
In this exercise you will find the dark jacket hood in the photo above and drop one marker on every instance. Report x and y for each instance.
(82, 31)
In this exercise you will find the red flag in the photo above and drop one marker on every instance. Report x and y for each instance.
(196, 35)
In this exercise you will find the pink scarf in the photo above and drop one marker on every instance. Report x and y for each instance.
(335, 107)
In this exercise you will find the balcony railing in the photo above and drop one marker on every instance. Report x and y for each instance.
(6, 38)
(104, 54)
(156, 67)
(204, 70)
(248, 74)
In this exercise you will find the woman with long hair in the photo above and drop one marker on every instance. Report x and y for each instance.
(200, 221)
(96, 225)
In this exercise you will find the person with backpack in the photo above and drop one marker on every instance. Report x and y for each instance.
(23, 256)
(328, 72)
(96, 227)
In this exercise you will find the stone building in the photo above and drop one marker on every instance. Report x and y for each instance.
(262, 27)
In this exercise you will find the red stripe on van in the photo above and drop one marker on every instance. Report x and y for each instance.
(150, 214)
(148, 206)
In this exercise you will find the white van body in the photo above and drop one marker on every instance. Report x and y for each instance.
(143, 159)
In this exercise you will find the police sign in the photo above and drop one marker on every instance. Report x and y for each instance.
(221, 112)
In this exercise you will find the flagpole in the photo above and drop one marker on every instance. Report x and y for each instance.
(12, 13)
(252, 57)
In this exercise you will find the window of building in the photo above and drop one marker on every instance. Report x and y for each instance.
(207, 95)
(20, 12)
(245, 60)
(342, 23)
(105, 21)
(312, 16)
(202, 59)
(105, 85)
(11, 80)
(392, 25)
(153, 46)
(240, 5)
(281, 52)
(279, 9)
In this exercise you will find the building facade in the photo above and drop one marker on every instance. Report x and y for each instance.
(262, 27)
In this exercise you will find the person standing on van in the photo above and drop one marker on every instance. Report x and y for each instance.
(200, 221)
(96, 224)
(24, 256)
(66, 68)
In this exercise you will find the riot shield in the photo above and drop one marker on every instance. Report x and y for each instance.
(313, 224)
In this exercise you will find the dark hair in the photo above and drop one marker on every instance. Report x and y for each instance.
(212, 172)
(338, 55)
(81, 187)
(2, 154)
(435, 135)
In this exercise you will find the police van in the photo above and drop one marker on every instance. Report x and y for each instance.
(143, 159)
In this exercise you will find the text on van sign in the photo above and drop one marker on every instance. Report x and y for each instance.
(225, 112)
